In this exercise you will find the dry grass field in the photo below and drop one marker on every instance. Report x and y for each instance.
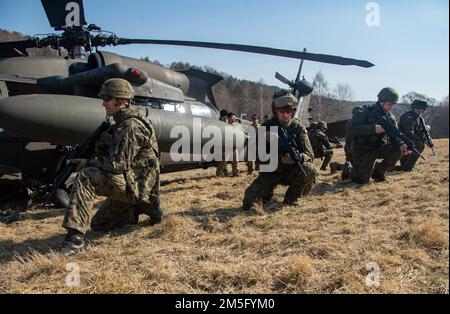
(208, 245)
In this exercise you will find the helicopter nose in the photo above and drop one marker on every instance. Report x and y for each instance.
(58, 119)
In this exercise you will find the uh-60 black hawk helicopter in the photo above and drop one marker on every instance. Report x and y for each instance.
(54, 99)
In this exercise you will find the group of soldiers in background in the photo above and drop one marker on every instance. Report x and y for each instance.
(366, 142)
(222, 165)
(125, 165)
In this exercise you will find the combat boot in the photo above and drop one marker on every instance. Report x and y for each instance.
(289, 202)
(73, 243)
(345, 175)
(156, 217)
(378, 176)
(334, 167)
(155, 213)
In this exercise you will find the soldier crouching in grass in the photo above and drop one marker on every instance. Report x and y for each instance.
(125, 170)
(412, 127)
(287, 173)
(371, 142)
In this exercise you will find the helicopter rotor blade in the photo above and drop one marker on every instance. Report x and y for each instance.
(283, 79)
(62, 13)
(19, 44)
(253, 49)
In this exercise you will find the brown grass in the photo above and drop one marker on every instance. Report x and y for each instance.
(208, 245)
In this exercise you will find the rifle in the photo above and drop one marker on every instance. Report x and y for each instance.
(393, 132)
(78, 151)
(290, 146)
(335, 141)
(426, 135)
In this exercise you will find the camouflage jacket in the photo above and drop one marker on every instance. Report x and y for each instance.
(319, 142)
(362, 129)
(410, 125)
(129, 147)
(296, 131)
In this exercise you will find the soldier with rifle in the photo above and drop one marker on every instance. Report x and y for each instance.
(375, 135)
(321, 144)
(295, 157)
(413, 125)
(124, 168)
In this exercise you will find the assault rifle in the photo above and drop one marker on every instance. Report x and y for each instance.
(426, 135)
(78, 151)
(393, 132)
(291, 147)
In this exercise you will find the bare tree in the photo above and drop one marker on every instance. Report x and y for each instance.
(343, 92)
(444, 102)
(411, 96)
(321, 93)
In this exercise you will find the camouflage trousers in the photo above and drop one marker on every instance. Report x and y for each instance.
(364, 162)
(262, 189)
(222, 166)
(327, 155)
(252, 166)
(409, 162)
(118, 210)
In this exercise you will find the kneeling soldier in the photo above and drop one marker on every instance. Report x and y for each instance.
(321, 144)
(287, 173)
(125, 170)
(412, 127)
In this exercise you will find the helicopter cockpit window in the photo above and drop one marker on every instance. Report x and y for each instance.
(168, 107)
(201, 111)
(155, 104)
(180, 108)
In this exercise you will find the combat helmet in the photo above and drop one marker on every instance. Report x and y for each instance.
(117, 88)
(388, 94)
(421, 104)
(283, 99)
(322, 125)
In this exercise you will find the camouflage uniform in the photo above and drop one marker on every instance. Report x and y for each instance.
(367, 146)
(321, 146)
(262, 189)
(234, 161)
(127, 173)
(410, 125)
(251, 164)
(222, 170)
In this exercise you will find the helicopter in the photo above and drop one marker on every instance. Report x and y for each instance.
(48, 103)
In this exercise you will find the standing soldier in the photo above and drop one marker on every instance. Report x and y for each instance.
(370, 141)
(253, 165)
(232, 120)
(412, 127)
(321, 144)
(222, 170)
(261, 190)
(126, 171)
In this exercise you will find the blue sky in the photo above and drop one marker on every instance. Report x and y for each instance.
(410, 48)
